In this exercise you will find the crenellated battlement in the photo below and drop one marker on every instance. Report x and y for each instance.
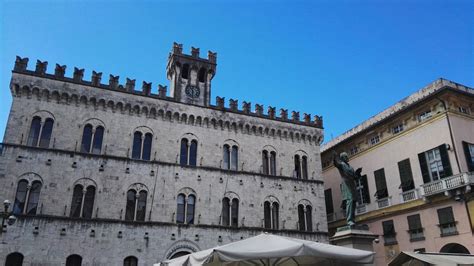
(96, 80)
(21, 66)
(258, 111)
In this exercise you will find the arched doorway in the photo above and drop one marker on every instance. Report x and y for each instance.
(14, 259)
(74, 260)
(454, 248)
(179, 254)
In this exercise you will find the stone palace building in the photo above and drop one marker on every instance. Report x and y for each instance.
(105, 174)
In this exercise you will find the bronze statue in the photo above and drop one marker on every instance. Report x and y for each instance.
(348, 187)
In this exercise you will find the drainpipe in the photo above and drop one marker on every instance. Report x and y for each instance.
(451, 133)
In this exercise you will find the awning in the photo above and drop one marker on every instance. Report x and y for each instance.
(268, 249)
(439, 259)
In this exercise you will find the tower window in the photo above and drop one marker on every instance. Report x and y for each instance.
(202, 74)
(185, 71)
(271, 213)
(230, 159)
(230, 212)
(269, 162)
(304, 218)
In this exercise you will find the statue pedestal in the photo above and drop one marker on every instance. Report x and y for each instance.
(356, 236)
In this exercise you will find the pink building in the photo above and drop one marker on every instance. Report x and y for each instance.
(417, 160)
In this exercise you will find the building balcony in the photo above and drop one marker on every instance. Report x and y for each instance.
(410, 195)
(384, 202)
(445, 185)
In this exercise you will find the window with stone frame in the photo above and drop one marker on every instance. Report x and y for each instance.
(397, 128)
(230, 212)
(269, 162)
(188, 152)
(353, 150)
(92, 139)
(434, 164)
(406, 175)
(27, 197)
(230, 157)
(82, 204)
(301, 167)
(305, 222)
(185, 209)
(380, 184)
(389, 234)
(447, 223)
(135, 209)
(464, 109)
(374, 139)
(271, 214)
(469, 154)
(40, 132)
(415, 229)
(141, 148)
(424, 115)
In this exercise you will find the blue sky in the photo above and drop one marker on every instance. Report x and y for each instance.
(345, 60)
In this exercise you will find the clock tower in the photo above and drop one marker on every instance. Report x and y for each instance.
(190, 76)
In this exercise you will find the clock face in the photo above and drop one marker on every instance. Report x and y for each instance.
(192, 92)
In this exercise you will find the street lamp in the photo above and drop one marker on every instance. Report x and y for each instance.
(6, 215)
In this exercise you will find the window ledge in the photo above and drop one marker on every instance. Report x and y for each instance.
(390, 243)
(449, 234)
(417, 239)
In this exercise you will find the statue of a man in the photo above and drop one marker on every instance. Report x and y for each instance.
(349, 178)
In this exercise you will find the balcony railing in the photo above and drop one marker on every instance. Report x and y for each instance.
(409, 195)
(361, 208)
(448, 183)
(383, 203)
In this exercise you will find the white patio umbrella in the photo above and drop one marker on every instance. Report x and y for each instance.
(268, 249)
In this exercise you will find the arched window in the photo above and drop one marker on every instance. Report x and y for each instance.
(202, 75)
(136, 205)
(130, 261)
(297, 167)
(301, 167)
(269, 162)
(74, 260)
(231, 159)
(185, 71)
(27, 197)
(226, 211)
(92, 139)
(271, 214)
(40, 134)
(188, 152)
(35, 129)
(46, 132)
(82, 204)
(181, 209)
(234, 212)
(305, 222)
(14, 259)
(186, 209)
(142, 146)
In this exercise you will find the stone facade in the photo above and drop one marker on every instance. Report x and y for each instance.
(51, 235)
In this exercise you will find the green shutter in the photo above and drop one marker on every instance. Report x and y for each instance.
(445, 215)
(424, 167)
(469, 159)
(414, 222)
(365, 193)
(380, 184)
(329, 203)
(406, 176)
(445, 160)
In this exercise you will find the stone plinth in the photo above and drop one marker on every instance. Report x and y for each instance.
(357, 236)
